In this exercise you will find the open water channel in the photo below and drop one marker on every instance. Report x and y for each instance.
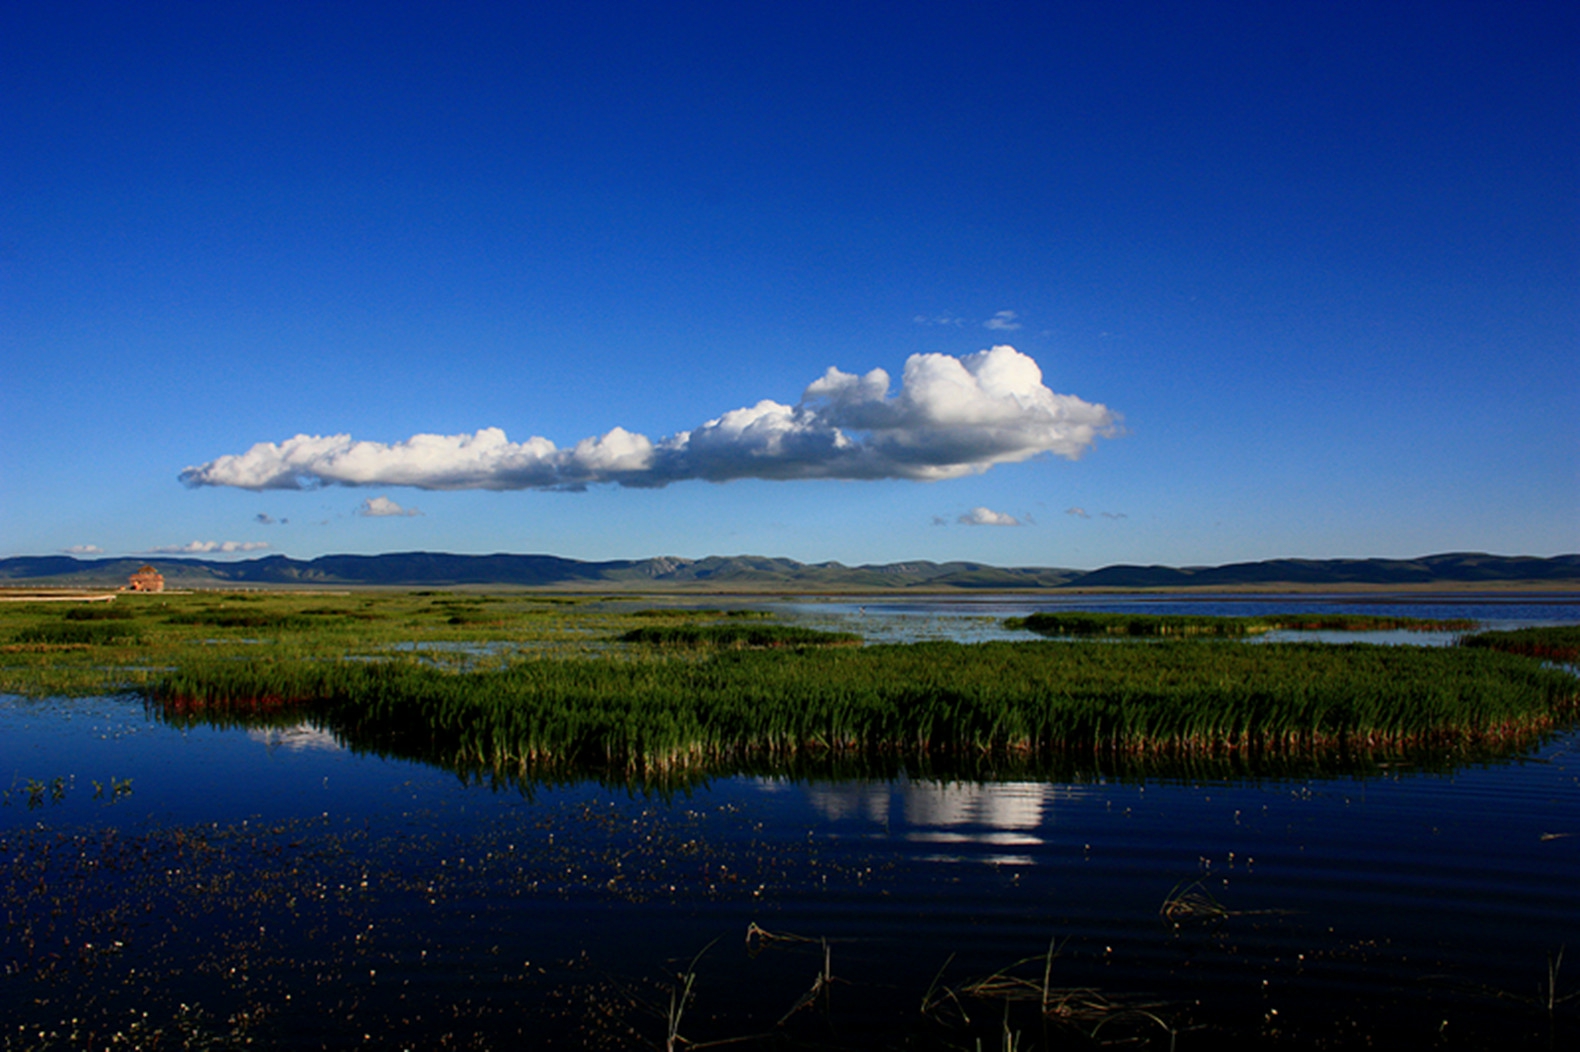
(213, 888)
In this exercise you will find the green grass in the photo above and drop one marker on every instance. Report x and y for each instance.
(100, 612)
(67, 648)
(1552, 643)
(656, 714)
(737, 636)
(1080, 623)
(78, 633)
(674, 613)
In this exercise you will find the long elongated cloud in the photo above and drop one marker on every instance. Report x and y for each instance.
(208, 548)
(951, 417)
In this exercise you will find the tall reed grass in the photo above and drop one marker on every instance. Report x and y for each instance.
(737, 636)
(1081, 623)
(1550, 642)
(936, 699)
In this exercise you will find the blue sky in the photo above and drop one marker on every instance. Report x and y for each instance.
(1299, 279)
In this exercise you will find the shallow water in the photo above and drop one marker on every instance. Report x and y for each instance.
(271, 884)
(980, 619)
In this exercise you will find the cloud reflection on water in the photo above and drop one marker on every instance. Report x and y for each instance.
(301, 737)
(967, 814)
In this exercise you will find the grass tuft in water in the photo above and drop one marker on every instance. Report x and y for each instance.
(1551, 643)
(1079, 624)
(737, 636)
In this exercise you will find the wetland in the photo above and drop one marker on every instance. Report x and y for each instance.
(470, 820)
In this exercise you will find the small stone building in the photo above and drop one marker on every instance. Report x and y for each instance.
(146, 579)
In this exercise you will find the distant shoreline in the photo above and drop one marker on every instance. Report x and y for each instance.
(1493, 590)
(1444, 573)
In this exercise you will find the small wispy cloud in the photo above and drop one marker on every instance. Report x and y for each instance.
(1003, 321)
(988, 517)
(208, 548)
(1115, 515)
(939, 520)
(82, 549)
(1079, 513)
(383, 507)
(939, 319)
(265, 519)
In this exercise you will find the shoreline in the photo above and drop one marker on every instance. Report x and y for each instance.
(1556, 591)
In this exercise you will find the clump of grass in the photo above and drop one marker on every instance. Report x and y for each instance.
(671, 612)
(474, 617)
(1164, 625)
(1369, 623)
(242, 619)
(1082, 1009)
(298, 620)
(89, 633)
(737, 636)
(1189, 901)
(100, 612)
(1550, 643)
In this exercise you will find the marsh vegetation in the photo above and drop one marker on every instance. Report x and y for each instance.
(520, 684)
(1082, 624)
(1549, 642)
(650, 712)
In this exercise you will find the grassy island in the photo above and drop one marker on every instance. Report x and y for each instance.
(1080, 623)
(650, 713)
(1551, 643)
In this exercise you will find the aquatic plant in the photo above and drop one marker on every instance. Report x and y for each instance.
(100, 612)
(84, 633)
(1550, 642)
(736, 635)
(1081, 623)
(1082, 1010)
(680, 996)
(696, 612)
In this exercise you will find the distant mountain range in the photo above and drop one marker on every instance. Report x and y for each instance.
(756, 573)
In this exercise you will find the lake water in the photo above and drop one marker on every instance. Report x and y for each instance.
(217, 886)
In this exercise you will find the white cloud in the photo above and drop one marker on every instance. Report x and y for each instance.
(1079, 513)
(1003, 321)
(988, 517)
(82, 549)
(939, 319)
(952, 417)
(1115, 515)
(382, 507)
(208, 547)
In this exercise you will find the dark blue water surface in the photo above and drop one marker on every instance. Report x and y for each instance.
(224, 886)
